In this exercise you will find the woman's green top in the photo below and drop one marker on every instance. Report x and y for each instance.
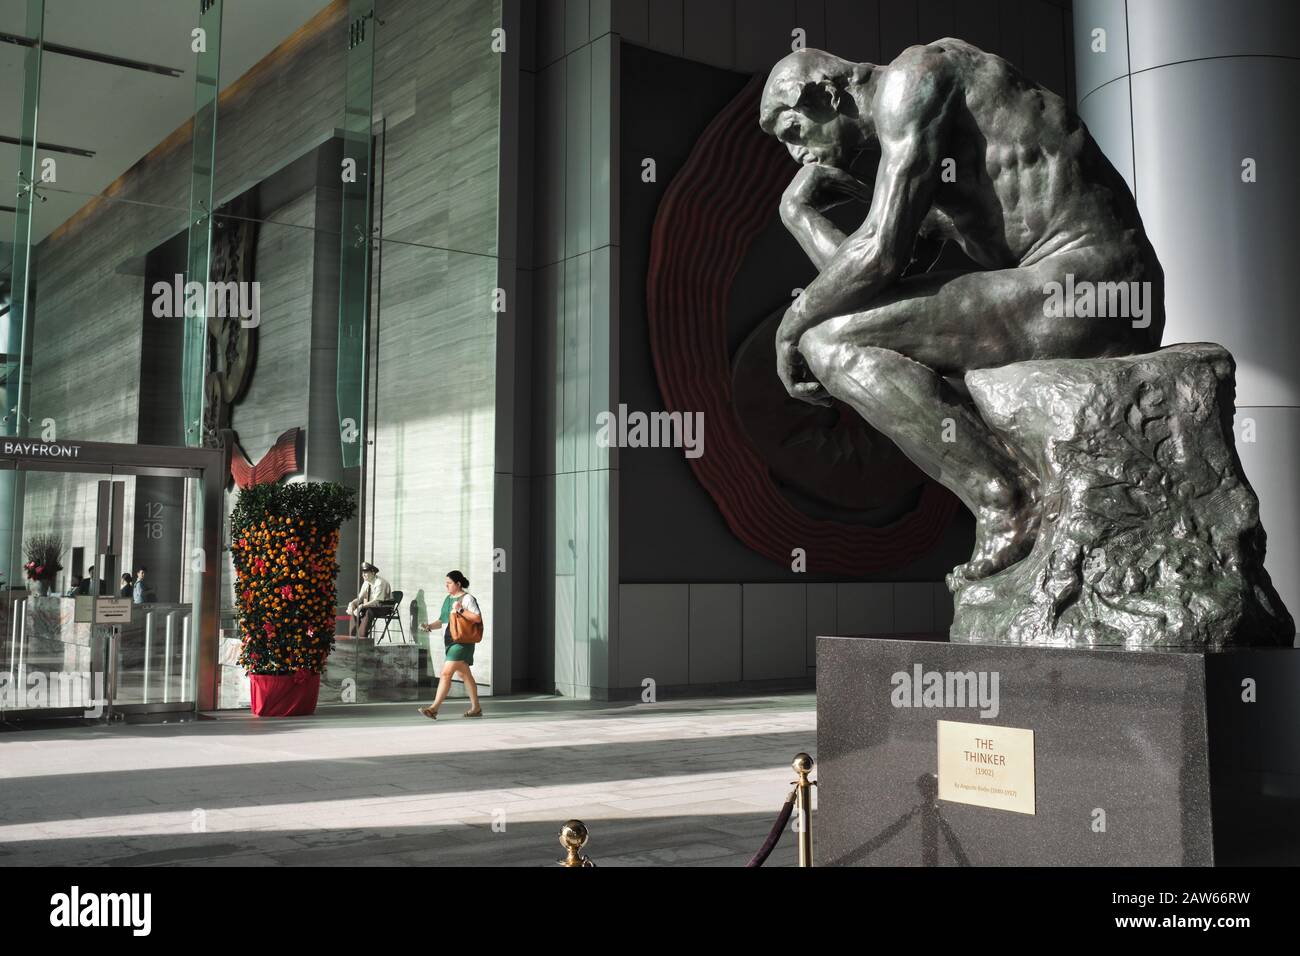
(457, 652)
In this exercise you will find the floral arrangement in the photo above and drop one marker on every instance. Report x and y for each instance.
(43, 553)
(284, 539)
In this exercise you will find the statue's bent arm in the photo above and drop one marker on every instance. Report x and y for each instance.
(804, 217)
(914, 109)
(819, 238)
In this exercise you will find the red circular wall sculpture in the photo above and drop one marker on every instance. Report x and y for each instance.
(715, 207)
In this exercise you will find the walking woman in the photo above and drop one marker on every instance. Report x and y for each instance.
(460, 657)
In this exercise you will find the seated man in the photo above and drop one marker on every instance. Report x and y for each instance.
(970, 150)
(375, 596)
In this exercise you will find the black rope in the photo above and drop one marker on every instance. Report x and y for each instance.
(951, 839)
(774, 837)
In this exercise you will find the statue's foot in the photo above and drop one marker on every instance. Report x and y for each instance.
(1004, 534)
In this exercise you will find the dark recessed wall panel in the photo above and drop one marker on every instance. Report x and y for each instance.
(977, 22)
(899, 27)
(936, 19)
(670, 530)
(853, 29)
(708, 34)
(664, 25)
(763, 33)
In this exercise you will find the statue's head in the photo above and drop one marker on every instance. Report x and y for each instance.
(808, 104)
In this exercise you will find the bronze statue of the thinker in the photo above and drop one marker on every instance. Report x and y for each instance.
(970, 151)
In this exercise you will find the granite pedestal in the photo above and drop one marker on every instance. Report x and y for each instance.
(360, 671)
(1170, 757)
(357, 672)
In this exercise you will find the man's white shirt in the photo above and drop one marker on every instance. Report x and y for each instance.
(372, 592)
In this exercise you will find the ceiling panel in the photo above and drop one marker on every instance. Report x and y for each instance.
(119, 113)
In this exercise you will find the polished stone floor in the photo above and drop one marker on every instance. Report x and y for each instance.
(680, 783)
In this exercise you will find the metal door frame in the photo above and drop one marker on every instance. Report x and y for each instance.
(211, 468)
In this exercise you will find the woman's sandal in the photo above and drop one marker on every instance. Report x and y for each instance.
(428, 712)
(473, 713)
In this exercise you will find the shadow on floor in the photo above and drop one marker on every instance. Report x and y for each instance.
(531, 706)
(691, 840)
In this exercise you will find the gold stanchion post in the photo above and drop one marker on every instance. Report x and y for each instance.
(573, 837)
(803, 765)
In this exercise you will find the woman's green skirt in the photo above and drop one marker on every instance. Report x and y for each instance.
(458, 652)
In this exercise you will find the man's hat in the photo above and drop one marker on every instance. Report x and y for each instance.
(367, 566)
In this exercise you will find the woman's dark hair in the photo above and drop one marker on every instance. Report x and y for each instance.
(459, 578)
(126, 578)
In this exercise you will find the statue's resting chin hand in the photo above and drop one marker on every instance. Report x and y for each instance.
(811, 392)
(796, 378)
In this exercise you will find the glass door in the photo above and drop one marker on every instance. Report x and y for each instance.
(102, 625)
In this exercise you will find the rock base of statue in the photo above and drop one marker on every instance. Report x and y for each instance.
(1175, 757)
(1149, 532)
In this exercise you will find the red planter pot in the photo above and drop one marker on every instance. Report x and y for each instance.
(284, 695)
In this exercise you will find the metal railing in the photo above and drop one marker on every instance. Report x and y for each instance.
(160, 649)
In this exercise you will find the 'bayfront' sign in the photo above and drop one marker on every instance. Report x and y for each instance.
(17, 448)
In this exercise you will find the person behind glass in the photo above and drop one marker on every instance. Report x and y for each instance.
(141, 593)
(126, 589)
(363, 608)
(87, 585)
(460, 657)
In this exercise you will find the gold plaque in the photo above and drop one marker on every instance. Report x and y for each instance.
(986, 766)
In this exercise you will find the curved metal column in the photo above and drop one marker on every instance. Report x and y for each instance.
(1193, 101)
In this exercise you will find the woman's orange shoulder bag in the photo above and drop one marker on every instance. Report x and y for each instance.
(465, 631)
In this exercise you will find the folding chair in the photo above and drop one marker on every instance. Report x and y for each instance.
(388, 613)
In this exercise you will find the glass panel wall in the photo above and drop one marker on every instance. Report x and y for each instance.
(359, 308)
(116, 93)
(13, 56)
(432, 378)
(23, 28)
